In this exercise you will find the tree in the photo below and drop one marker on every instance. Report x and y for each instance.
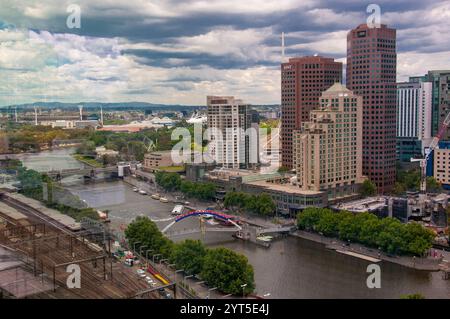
(368, 188)
(265, 205)
(145, 232)
(228, 271)
(87, 148)
(433, 185)
(399, 189)
(189, 255)
(389, 234)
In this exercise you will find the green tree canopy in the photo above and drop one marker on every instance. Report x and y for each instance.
(227, 270)
(368, 188)
(189, 255)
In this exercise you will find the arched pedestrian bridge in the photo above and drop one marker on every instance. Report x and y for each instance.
(217, 215)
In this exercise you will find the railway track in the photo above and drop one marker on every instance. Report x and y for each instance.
(34, 214)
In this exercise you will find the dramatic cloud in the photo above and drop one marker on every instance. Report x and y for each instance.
(180, 51)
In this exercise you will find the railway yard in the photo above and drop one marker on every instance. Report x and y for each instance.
(36, 248)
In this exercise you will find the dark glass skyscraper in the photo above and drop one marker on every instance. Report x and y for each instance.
(371, 73)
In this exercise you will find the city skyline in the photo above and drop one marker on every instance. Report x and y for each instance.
(151, 55)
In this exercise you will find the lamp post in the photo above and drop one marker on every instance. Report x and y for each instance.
(170, 266)
(187, 277)
(175, 273)
(140, 249)
(146, 255)
(162, 260)
(209, 292)
(243, 290)
(134, 245)
(153, 258)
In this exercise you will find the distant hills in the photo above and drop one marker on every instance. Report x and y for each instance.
(116, 106)
(106, 106)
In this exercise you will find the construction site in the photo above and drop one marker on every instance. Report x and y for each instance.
(37, 253)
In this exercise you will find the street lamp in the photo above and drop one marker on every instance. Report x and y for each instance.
(146, 255)
(243, 290)
(140, 249)
(153, 258)
(175, 273)
(209, 292)
(134, 245)
(163, 260)
(187, 277)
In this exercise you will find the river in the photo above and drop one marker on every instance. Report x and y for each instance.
(290, 268)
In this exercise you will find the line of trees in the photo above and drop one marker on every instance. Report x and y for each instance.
(173, 182)
(219, 267)
(261, 204)
(388, 234)
(409, 180)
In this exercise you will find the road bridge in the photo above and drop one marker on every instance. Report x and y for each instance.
(90, 171)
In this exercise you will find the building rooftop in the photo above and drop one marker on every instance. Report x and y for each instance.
(338, 88)
(285, 188)
(362, 205)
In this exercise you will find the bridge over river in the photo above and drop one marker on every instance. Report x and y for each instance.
(90, 171)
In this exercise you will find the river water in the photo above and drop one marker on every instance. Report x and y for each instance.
(290, 268)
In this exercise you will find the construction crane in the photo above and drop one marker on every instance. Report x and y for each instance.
(423, 161)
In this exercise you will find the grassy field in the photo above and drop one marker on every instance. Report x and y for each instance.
(171, 169)
(88, 160)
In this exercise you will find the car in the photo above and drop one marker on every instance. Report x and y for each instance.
(161, 292)
(168, 296)
(163, 200)
(148, 278)
(140, 271)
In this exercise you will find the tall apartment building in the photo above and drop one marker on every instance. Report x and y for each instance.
(302, 82)
(441, 99)
(328, 148)
(371, 73)
(414, 111)
(233, 133)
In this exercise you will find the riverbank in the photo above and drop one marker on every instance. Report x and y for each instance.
(87, 161)
(360, 251)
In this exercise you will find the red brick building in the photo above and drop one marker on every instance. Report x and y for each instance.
(303, 80)
(371, 73)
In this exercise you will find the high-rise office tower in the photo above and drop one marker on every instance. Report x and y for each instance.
(413, 118)
(233, 132)
(302, 82)
(371, 73)
(441, 99)
(328, 148)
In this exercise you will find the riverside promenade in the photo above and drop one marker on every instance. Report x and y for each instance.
(357, 250)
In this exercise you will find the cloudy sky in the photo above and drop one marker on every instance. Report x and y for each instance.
(172, 51)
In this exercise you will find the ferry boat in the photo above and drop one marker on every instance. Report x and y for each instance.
(265, 238)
